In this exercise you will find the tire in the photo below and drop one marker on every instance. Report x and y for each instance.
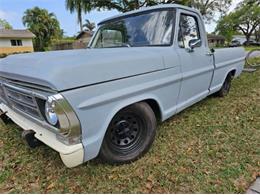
(226, 87)
(130, 134)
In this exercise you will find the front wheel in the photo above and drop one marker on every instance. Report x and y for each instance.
(226, 87)
(129, 135)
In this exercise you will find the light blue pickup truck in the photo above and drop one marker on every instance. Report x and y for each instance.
(104, 101)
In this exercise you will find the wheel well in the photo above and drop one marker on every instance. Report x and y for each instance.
(155, 107)
(232, 73)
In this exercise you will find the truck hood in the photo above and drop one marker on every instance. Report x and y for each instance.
(63, 70)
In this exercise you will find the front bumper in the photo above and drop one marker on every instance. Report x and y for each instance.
(71, 156)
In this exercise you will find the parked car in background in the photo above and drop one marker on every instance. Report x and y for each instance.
(235, 43)
(251, 43)
(104, 101)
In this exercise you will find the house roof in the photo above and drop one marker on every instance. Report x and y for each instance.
(212, 36)
(10, 33)
(87, 33)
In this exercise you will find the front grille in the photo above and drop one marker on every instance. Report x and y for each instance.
(22, 100)
(2, 95)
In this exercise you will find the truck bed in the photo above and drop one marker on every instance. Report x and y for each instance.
(226, 60)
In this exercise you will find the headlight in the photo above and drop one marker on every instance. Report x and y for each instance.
(50, 114)
(60, 114)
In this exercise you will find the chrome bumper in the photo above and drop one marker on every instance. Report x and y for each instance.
(71, 156)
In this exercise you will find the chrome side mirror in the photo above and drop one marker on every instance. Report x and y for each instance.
(192, 44)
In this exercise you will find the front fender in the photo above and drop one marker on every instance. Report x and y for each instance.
(105, 113)
(96, 105)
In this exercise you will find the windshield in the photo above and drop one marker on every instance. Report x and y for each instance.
(147, 29)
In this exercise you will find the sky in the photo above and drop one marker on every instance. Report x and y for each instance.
(13, 10)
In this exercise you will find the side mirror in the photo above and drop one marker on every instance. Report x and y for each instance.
(193, 43)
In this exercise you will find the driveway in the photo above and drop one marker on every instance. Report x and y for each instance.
(255, 54)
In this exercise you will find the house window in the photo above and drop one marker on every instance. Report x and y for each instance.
(19, 42)
(16, 42)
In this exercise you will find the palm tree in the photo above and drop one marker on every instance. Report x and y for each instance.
(43, 24)
(89, 25)
(79, 6)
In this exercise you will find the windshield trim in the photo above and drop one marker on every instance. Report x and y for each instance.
(138, 14)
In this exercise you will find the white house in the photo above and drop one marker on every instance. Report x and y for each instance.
(15, 41)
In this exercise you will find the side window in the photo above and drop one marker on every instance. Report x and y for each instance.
(188, 31)
(16, 43)
(13, 42)
(19, 43)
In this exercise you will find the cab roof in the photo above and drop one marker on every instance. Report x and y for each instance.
(144, 9)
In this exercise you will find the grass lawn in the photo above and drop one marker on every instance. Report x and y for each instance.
(212, 147)
(249, 48)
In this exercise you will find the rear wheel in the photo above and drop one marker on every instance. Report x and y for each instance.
(226, 87)
(129, 135)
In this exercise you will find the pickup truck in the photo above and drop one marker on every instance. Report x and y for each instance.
(104, 101)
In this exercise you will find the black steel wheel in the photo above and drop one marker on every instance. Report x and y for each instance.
(129, 135)
(226, 87)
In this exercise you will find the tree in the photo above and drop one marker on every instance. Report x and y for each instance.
(129, 5)
(90, 26)
(43, 24)
(245, 18)
(251, 2)
(257, 34)
(225, 28)
(206, 7)
(4, 24)
(79, 6)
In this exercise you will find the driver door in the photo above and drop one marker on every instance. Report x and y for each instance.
(196, 62)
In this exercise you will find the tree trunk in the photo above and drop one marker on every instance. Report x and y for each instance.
(81, 25)
(257, 35)
(248, 35)
(80, 19)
